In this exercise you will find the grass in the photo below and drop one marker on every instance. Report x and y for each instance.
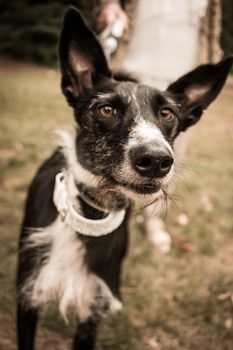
(181, 301)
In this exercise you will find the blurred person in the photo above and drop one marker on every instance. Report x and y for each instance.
(164, 44)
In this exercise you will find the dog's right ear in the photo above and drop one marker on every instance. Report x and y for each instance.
(197, 89)
(82, 60)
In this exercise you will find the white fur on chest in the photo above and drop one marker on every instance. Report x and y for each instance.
(64, 278)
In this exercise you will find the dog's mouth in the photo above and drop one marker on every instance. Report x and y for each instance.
(144, 189)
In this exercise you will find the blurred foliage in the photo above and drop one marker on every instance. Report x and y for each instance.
(29, 29)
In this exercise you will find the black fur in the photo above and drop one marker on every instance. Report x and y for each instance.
(88, 84)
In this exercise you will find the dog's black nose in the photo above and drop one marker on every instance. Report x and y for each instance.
(151, 163)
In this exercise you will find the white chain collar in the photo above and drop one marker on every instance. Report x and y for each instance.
(66, 209)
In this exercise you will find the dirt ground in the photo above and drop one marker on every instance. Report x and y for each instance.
(179, 301)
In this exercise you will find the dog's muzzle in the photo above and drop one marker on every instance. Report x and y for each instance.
(151, 163)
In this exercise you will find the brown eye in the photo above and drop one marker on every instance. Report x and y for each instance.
(107, 111)
(166, 114)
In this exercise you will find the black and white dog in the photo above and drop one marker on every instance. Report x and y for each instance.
(74, 234)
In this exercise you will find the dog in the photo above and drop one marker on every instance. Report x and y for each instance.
(74, 233)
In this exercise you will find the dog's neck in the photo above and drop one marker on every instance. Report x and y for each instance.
(69, 204)
(95, 207)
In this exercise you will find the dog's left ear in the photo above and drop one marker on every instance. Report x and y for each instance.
(197, 89)
(82, 60)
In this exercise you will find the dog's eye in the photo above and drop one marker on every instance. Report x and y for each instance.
(166, 114)
(107, 111)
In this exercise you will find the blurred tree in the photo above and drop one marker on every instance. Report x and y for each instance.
(227, 24)
(211, 29)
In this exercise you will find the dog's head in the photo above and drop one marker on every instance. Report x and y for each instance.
(126, 130)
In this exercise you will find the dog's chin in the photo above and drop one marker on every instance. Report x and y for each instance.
(144, 189)
(158, 199)
(146, 193)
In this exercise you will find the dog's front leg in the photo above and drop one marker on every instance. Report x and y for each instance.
(26, 327)
(85, 336)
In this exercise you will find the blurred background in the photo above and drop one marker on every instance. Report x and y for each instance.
(26, 22)
(179, 301)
